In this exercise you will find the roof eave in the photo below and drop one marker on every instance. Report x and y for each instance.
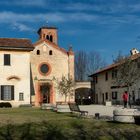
(17, 48)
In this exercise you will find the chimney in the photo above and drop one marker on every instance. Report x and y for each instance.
(134, 51)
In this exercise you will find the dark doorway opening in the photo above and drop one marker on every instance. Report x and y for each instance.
(45, 93)
(83, 96)
(103, 98)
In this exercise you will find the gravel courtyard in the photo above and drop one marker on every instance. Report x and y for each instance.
(102, 109)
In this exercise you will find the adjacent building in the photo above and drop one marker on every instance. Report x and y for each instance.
(15, 70)
(103, 86)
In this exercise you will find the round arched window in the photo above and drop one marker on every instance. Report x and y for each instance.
(44, 68)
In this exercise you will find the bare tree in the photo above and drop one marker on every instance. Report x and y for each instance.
(128, 72)
(95, 62)
(119, 57)
(65, 87)
(80, 65)
(87, 63)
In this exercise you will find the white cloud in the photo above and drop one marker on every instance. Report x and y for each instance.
(30, 2)
(37, 3)
(18, 18)
(79, 6)
(21, 27)
(8, 17)
(109, 7)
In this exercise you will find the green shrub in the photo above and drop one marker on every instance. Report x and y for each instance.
(76, 131)
(51, 131)
(5, 104)
(25, 105)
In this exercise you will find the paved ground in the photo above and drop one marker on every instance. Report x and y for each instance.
(102, 109)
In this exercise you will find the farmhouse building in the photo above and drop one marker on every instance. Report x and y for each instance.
(15, 70)
(104, 88)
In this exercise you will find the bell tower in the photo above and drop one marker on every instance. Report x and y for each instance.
(49, 33)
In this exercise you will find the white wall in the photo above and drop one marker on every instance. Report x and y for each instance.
(105, 86)
(20, 67)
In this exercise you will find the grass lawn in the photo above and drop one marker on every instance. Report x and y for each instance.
(23, 115)
(36, 124)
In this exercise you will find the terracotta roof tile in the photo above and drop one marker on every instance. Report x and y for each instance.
(132, 57)
(14, 42)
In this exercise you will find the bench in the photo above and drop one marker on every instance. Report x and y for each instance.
(75, 108)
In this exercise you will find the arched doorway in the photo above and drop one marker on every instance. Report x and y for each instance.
(83, 96)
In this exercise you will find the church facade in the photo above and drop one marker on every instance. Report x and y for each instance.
(48, 62)
(27, 71)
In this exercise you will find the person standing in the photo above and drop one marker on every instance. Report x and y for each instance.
(125, 98)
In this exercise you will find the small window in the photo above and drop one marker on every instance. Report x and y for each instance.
(47, 37)
(106, 95)
(21, 96)
(106, 76)
(114, 73)
(7, 92)
(6, 59)
(138, 62)
(44, 36)
(114, 95)
(38, 52)
(51, 38)
(96, 79)
(50, 52)
(103, 97)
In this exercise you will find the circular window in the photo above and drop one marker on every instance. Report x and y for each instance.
(44, 69)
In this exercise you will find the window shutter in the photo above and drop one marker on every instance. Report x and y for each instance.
(12, 92)
(6, 59)
(2, 92)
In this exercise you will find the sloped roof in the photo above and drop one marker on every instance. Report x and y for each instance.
(14, 43)
(114, 65)
(53, 45)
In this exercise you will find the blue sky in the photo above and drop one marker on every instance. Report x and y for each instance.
(106, 26)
